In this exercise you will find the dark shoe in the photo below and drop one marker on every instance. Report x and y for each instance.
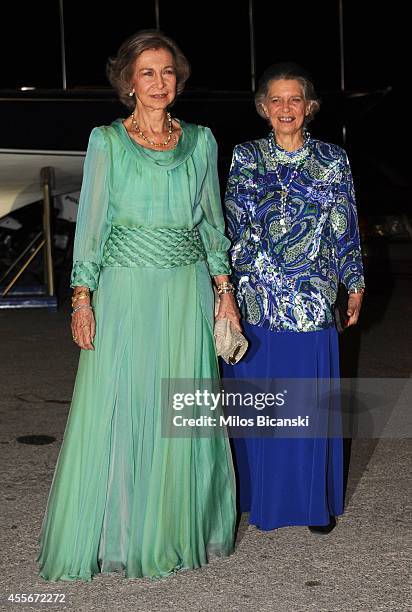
(324, 529)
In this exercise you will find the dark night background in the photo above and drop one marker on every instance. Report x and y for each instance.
(215, 37)
(365, 567)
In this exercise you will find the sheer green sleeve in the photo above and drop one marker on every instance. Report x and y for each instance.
(212, 227)
(93, 226)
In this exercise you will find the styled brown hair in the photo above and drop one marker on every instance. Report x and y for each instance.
(288, 71)
(120, 68)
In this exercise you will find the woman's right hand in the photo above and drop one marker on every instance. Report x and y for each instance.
(228, 309)
(84, 328)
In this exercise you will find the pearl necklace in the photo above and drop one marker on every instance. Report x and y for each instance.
(292, 157)
(152, 142)
(297, 160)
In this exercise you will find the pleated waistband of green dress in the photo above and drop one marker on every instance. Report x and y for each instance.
(152, 247)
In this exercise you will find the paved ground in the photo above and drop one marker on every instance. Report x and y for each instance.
(363, 565)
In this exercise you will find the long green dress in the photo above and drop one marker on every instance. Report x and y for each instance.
(149, 236)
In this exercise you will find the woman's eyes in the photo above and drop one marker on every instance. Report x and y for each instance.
(150, 73)
(276, 100)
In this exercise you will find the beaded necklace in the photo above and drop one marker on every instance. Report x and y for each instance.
(152, 142)
(297, 160)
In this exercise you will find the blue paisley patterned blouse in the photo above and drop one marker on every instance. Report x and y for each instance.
(287, 260)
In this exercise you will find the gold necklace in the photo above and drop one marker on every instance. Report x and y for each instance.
(152, 142)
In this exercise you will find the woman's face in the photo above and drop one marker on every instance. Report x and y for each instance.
(154, 79)
(286, 107)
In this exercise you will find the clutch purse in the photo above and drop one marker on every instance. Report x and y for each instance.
(231, 344)
(340, 308)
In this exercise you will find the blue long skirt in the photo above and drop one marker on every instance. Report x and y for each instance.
(289, 481)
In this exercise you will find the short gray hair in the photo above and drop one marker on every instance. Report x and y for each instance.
(120, 68)
(288, 71)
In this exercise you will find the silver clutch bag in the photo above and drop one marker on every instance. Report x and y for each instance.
(231, 345)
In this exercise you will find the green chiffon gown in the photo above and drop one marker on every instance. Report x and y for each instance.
(149, 237)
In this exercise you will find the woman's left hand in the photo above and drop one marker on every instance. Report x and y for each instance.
(228, 309)
(354, 306)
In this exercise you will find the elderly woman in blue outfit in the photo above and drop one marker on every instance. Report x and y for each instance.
(292, 220)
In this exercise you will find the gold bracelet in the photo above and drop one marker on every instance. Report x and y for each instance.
(82, 292)
(225, 287)
(79, 296)
(355, 290)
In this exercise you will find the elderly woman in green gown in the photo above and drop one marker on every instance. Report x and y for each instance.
(149, 237)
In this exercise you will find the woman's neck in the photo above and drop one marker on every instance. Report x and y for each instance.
(290, 142)
(151, 121)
